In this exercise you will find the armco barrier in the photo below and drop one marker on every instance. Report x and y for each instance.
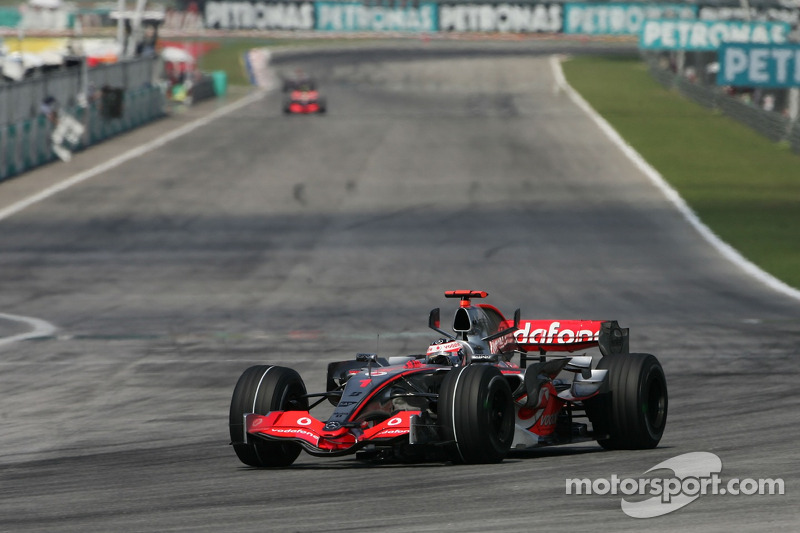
(27, 144)
(771, 125)
(702, 95)
(794, 137)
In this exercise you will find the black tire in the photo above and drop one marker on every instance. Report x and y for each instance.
(476, 412)
(261, 389)
(632, 413)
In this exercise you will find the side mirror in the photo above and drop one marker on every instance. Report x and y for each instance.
(367, 357)
(434, 320)
(434, 323)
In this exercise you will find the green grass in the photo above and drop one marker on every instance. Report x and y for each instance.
(230, 58)
(744, 187)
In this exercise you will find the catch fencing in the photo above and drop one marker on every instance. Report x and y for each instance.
(104, 101)
(20, 100)
(28, 143)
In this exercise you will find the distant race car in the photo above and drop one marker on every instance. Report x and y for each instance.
(302, 97)
(464, 400)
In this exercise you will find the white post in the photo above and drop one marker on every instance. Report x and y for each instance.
(136, 26)
(121, 25)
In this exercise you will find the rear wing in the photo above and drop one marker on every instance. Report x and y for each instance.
(570, 336)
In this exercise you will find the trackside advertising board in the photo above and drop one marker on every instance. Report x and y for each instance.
(619, 18)
(503, 18)
(704, 35)
(755, 65)
(357, 16)
(670, 26)
(260, 15)
(324, 16)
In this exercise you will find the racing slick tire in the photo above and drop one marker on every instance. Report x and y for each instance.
(632, 414)
(476, 414)
(261, 389)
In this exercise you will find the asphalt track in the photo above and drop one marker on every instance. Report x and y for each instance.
(260, 238)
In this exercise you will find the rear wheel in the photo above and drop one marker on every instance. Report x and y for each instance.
(633, 413)
(476, 412)
(262, 389)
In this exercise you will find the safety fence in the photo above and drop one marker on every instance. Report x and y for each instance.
(775, 126)
(29, 143)
(22, 99)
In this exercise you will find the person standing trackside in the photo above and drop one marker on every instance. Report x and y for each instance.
(49, 108)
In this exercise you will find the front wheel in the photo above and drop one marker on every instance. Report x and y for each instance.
(632, 414)
(476, 413)
(262, 389)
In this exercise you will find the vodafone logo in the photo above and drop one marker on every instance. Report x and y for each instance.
(394, 421)
(305, 421)
(553, 334)
(443, 348)
(548, 420)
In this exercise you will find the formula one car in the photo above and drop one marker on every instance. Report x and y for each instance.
(464, 400)
(302, 97)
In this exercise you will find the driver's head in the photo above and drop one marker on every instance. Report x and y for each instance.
(444, 358)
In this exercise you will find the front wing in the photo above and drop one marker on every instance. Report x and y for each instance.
(316, 439)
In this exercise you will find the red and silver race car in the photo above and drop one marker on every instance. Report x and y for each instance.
(302, 98)
(464, 400)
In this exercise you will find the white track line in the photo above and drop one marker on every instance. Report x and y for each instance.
(41, 328)
(127, 156)
(671, 194)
